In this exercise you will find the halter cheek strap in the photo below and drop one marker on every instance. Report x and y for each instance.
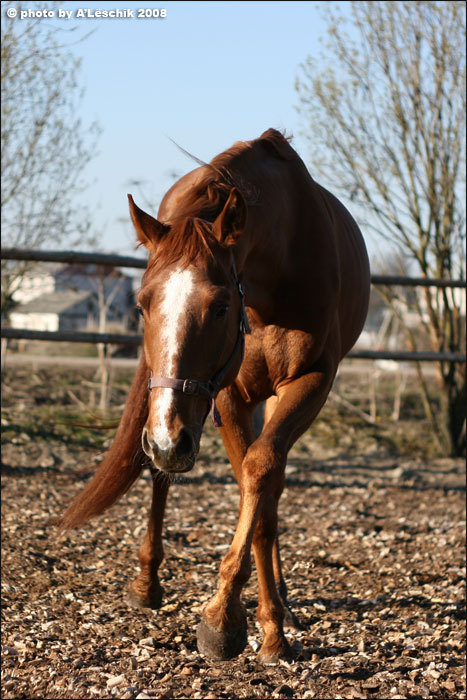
(210, 389)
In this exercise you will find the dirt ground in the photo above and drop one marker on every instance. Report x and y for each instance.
(373, 546)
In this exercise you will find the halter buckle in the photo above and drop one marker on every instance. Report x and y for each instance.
(190, 386)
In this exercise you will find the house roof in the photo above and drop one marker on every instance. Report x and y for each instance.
(55, 269)
(53, 303)
(38, 269)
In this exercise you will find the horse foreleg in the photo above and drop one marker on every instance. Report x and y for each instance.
(145, 591)
(222, 632)
(261, 484)
(297, 404)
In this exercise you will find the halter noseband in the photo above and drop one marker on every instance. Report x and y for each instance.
(210, 389)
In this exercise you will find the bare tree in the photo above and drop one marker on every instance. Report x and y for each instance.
(112, 298)
(105, 296)
(385, 115)
(45, 146)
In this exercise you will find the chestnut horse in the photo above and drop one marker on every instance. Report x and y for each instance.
(253, 219)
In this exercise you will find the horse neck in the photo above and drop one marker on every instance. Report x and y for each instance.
(261, 256)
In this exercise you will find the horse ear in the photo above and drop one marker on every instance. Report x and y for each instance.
(231, 221)
(148, 229)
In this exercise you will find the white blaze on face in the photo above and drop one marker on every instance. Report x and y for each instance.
(177, 291)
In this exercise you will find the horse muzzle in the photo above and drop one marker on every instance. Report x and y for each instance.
(173, 456)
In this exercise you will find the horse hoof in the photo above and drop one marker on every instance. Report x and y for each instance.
(221, 645)
(269, 659)
(272, 653)
(153, 600)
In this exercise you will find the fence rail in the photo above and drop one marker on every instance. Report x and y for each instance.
(72, 336)
(136, 339)
(73, 257)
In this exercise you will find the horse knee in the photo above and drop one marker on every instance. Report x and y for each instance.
(263, 468)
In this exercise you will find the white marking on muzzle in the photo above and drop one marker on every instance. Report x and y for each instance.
(177, 292)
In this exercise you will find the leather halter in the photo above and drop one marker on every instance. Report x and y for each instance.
(210, 389)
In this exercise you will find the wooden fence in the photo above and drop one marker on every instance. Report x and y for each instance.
(72, 257)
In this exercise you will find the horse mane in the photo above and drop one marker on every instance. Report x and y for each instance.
(189, 239)
(190, 235)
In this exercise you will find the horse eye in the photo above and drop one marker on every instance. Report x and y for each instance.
(139, 309)
(221, 311)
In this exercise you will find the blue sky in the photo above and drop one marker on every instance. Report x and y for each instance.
(207, 75)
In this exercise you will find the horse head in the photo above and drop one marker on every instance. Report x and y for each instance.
(194, 320)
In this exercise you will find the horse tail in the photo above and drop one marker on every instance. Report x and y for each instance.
(123, 461)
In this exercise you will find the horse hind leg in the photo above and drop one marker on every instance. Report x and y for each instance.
(290, 620)
(145, 591)
(262, 415)
(271, 607)
(273, 612)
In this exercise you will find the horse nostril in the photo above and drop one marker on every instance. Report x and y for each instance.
(184, 444)
(147, 449)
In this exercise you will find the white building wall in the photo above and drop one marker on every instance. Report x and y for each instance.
(35, 321)
(33, 287)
